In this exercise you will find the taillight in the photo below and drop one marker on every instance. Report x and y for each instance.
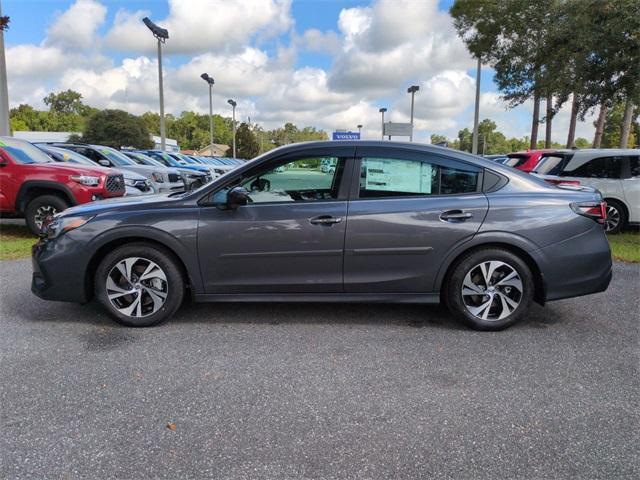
(596, 211)
(563, 182)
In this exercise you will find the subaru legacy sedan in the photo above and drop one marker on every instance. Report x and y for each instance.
(392, 222)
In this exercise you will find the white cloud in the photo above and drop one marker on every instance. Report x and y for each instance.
(197, 26)
(313, 40)
(76, 27)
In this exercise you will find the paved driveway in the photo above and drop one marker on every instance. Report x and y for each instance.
(330, 391)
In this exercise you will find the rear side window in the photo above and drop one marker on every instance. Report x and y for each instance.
(516, 160)
(393, 177)
(634, 165)
(601, 167)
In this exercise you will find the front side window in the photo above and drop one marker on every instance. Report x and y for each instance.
(602, 167)
(300, 180)
(393, 177)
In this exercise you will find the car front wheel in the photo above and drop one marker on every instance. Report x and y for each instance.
(490, 289)
(140, 285)
(42, 207)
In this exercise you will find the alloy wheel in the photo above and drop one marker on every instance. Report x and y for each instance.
(42, 213)
(492, 290)
(613, 218)
(137, 287)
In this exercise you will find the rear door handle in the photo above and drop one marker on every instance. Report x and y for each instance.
(324, 220)
(454, 216)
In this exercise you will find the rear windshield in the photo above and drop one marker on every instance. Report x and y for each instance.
(23, 152)
(552, 164)
(515, 160)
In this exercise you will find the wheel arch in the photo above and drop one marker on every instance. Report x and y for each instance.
(520, 250)
(151, 238)
(620, 201)
(33, 188)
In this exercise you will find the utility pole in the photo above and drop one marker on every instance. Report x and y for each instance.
(233, 106)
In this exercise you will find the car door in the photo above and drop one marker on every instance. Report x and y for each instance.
(631, 188)
(603, 173)
(407, 210)
(10, 180)
(289, 238)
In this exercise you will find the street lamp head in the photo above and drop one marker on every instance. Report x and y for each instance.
(160, 33)
(413, 89)
(207, 78)
(359, 126)
(382, 110)
(232, 103)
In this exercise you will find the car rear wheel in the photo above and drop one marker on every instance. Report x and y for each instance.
(42, 207)
(139, 285)
(616, 217)
(490, 289)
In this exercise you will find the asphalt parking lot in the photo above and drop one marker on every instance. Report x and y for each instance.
(319, 391)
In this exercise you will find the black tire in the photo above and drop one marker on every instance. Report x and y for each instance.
(175, 285)
(35, 207)
(470, 264)
(615, 210)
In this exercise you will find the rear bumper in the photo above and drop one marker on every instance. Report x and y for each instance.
(578, 266)
(60, 261)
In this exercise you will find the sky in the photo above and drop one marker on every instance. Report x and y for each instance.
(329, 64)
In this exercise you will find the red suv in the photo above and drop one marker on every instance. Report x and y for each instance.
(526, 161)
(34, 186)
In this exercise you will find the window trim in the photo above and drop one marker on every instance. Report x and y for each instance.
(439, 160)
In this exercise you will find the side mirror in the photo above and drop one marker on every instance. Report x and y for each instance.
(236, 197)
(104, 162)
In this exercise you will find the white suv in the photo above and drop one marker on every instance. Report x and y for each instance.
(614, 172)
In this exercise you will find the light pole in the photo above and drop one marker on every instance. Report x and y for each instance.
(209, 80)
(412, 90)
(360, 131)
(4, 92)
(476, 114)
(233, 106)
(162, 34)
(382, 110)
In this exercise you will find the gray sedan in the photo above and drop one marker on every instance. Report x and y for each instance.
(394, 222)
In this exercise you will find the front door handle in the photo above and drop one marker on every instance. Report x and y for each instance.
(455, 216)
(324, 220)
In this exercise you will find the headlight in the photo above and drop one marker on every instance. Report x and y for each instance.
(129, 181)
(88, 180)
(61, 225)
(157, 177)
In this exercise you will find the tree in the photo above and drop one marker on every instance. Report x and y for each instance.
(117, 128)
(437, 139)
(247, 144)
(611, 135)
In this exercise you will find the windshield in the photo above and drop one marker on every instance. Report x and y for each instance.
(116, 157)
(23, 152)
(551, 164)
(64, 155)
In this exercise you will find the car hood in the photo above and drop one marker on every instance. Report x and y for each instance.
(111, 204)
(79, 169)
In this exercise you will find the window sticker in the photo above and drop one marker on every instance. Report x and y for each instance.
(398, 175)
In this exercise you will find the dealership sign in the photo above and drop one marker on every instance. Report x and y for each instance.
(346, 136)
(397, 129)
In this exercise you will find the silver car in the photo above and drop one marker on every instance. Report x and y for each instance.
(159, 177)
(615, 173)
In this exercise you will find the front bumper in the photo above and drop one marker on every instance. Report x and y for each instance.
(59, 270)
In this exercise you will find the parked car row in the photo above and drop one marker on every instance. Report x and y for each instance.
(613, 172)
(41, 179)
